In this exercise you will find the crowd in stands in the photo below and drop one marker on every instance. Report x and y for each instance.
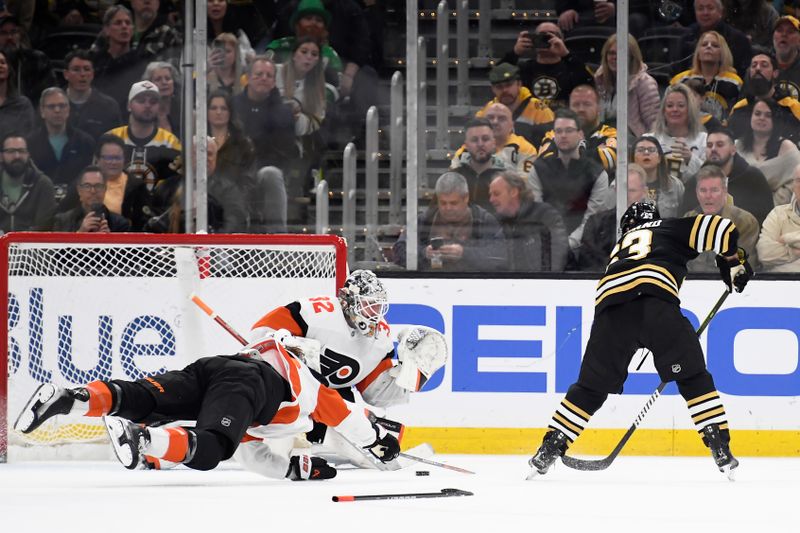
(717, 135)
(91, 131)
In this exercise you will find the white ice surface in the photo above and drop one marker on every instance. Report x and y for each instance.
(634, 495)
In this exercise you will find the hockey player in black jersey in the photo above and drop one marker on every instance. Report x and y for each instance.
(637, 306)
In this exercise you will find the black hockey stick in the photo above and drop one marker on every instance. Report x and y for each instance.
(444, 493)
(602, 464)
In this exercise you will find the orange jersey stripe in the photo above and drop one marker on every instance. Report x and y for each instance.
(385, 364)
(280, 318)
(331, 408)
(178, 445)
(100, 400)
(286, 415)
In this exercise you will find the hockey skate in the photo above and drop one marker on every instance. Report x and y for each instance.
(129, 441)
(554, 445)
(48, 401)
(718, 442)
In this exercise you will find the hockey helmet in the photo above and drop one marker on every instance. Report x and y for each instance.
(364, 301)
(638, 213)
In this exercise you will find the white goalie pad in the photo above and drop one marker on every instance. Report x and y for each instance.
(421, 351)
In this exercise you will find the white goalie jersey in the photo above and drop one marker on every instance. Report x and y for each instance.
(346, 358)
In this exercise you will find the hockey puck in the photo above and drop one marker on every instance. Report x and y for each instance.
(423, 473)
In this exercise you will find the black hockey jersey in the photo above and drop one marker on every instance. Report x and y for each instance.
(651, 258)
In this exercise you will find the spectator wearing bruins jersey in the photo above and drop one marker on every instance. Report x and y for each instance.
(637, 306)
(532, 118)
(600, 140)
(761, 83)
(712, 66)
(786, 43)
(515, 151)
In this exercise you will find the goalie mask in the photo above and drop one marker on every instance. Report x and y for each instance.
(638, 213)
(364, 301)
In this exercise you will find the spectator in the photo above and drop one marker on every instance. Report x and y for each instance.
(643, 96)
(764, 148)
(91, 216)
(712, 65)
(786, 43)
(761, 83)
(532, 117)
(90, 110)
(110, 157)
(712, 197)
(33, 68)
(27, 198)
(149, 150)
(222, 192)
(536, 237)
(679, 131)
(779, 243)
(571, 182)
(266, 119)
(16, 110)
(164, 75)
(709, 17)
(746, 184)
(454, 235)
(154, 38)
(480, 161)
(664, 190)
(58, 149)
(581, 13)
(348, 31)
(117, 63)
(226, 65)
(754, 18)
(514, 150)
(241, 19)
(552, 72)
(599, 140)
(600, 234)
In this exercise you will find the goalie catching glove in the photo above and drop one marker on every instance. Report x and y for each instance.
(735, 270)
(421, 351)
(303, 467)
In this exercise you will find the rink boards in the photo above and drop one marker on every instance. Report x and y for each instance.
(516, 348)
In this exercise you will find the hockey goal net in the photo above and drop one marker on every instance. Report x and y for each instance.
(83, 307)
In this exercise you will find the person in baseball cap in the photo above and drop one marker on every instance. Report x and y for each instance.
(786, 42)
(142, 87)
(503, 72)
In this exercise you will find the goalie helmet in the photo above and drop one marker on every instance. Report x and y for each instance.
(638, 213)
(364, 301)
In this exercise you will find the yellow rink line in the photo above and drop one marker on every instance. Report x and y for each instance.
(664, 442)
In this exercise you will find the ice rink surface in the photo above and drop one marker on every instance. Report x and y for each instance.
(635, 494)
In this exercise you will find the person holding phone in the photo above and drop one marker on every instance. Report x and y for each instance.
(552, 72)
(91, 216)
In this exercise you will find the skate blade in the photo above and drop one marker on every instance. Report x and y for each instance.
(533, 474)
(27, 418)
(123, 450)
(729, 472)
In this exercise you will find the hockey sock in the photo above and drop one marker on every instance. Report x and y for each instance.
(575, 410)
(703, 401)
(170, 444)
(99, 402)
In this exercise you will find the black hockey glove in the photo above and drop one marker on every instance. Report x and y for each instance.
(303, 467)
(735, 272)
(384, 448)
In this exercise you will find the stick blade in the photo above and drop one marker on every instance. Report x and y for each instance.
(586, 464)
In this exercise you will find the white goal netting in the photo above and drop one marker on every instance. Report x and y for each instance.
(83, 308)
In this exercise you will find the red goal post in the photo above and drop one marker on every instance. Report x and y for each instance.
(79, 307)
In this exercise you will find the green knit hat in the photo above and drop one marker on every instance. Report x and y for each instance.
(310, 7)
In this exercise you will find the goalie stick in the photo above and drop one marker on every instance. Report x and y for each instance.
(444, 493)
(436, 463)
(602, 464)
